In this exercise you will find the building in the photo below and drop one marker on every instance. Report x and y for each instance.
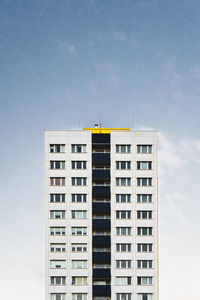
(101, 196)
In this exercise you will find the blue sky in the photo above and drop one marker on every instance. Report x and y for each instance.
(69, 64)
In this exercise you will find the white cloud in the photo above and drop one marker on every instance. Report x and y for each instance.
(71, 49)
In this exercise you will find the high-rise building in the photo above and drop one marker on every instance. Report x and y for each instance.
(101, 194)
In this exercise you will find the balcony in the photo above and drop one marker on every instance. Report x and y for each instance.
(101, 191)
(101, 208)
(100, 158)
(101, 290)
(101, 224)
(102, 241)
(100, 174)
(101, 257)
(100, 138)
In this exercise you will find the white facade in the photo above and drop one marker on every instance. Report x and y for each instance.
(69, 224)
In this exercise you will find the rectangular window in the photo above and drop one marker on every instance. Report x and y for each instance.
(57, 181)
(123, 165)
(144, 198)
(78, 148)
(123, 198)
(123, 230)
(57, 214)
(79, 230)
(79, 214)
(79, 197)
(57, 247)
(123, 148)
(79, 264)
(57, 230)
(57, 264)
(57, 197)
(79, 247)
(144, 149)
(123, 296)
(123, 181)
(58, 280)
(144, 247)
(144, 230)
(123, 280)
(123, 247)
(144, 296)
(56, 148)
(144, 214)
(141, 181)
(57, 164)
(79, 181)
(144, 264)
(123, 264)
(58, 296)
(123, 214)
(144, 280)
(144, 165)
(79, 296)
(78, 280)
(79, 165)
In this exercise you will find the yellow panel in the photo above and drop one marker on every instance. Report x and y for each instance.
(105, 130)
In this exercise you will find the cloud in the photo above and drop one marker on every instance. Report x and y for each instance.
(71, 49)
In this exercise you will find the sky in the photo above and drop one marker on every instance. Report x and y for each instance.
(69, 64)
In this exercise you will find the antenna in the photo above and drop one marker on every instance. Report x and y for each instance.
(133, 117)
(79, 120)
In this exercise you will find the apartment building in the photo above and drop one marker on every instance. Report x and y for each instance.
(101, 195)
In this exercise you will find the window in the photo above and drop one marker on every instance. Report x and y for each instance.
(79, 230)
(56, 148)
(144, 165)
(144, 214)
(79, 180)
(123, 296)
(79, 164)
(123, 247)
(57, 214)
(58, 264)
(123, 198)
(123, 280)
(123, 230)
(144, 230)
(79, 264)
(123, 214)
(58, 280)
(144, 264)
(79, 296)
(144, 148)
(79, 280)
(123, 148)
(123, 165)
(78, 148)
(58, 247)
(144, 296)
(144, 181)
(79, 197)
(58, 296)
(123, 181)
(57, 164)
(123, 264)
(79, 247)
(144, 247)
(57, 197)
(55, 181)
(144, 198)
(79, 214)
(57, 230)
(144, 280)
